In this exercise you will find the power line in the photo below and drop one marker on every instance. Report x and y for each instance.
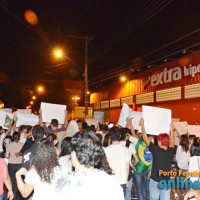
(164, 46)
(146, 64)
(134, 27)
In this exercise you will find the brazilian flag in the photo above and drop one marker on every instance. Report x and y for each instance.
(7, 121)
(145, 157)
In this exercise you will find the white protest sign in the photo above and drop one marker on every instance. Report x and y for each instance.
(194, 130)
(125, 112)
(9, 110)
(3, 116)
(26, 111)
(91, 121)
(156, 120)
(53, 111)
(26, 119)
(99, 116)
(136, 117)
(181, 127)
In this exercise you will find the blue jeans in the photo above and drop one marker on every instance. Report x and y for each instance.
(1, 196)
(141, 182)
(155, 192)
(128, 190)
(124, 189)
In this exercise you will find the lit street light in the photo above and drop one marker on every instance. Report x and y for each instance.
(31, 102)
(58, 53)
(123, 78)
(33, 97)
(40, 89)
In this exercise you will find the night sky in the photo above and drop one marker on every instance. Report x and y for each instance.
(123, 30)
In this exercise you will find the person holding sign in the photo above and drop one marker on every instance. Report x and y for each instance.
(2, 137)
(53, 125)
(163, 155)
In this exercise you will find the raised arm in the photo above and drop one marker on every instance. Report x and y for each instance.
(9, 129)
(172, 137)
(8, 183)
(66, 120)
(144, 134)
(40, 118)
(132, 128)
(14, 125)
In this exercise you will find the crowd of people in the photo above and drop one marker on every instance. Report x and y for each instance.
(80, 162)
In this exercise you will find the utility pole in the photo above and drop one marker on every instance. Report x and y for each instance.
(86, 39)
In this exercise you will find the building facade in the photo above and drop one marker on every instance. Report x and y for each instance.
(174, 85)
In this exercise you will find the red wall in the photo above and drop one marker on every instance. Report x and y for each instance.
(186, 110)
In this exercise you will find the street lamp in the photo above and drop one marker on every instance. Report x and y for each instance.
(85, 72)
(31, 102)
(33, 97)
(40, 89)
(123, 78)
(58, 53)
(75, 100)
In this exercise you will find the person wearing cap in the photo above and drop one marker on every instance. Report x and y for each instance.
(79, 122)
(53, 128)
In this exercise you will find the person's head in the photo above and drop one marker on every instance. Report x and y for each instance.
(191, 138)
(6, 141)
(100, 138)
(105, 130)
(52, 138)
(79, 122)
(84, 125)
(1, 130)
(124, 134)
(114, 133)
(23, 129)
(86, 150)
(54, 124)
(46, 161)
(184, 142)
(29, 129)
(38, 133)
(163, 140)
(101, 127)
(16, 137)
(106, 141)
(195, 149)
(66, 147)
(93, 129)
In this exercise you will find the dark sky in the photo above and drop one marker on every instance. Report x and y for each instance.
(123, 30)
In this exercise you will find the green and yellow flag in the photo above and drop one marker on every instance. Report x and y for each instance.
(145, 157)
(7, 121)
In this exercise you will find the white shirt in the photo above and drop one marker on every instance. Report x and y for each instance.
(118, 156)
(182, 158)
(22, 138)
(194, 166)
(42, 191)
(134, 140)
(89, 185)
(131, 148)
(2, 136)
(65, 165)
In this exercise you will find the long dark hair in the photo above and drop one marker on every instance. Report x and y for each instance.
(46, 161)
(184, 142)
(66, 147)
(195, 149)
